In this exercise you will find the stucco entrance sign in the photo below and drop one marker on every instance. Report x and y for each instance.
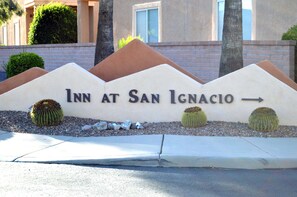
(159, 93)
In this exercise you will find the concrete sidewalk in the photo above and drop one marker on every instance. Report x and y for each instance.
(151, 150)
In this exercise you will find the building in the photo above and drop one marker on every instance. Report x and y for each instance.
(15, 32)
(200, 20)
(165, 20)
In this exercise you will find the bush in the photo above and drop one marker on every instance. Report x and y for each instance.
(53, 23)
(263, 119)
(193, 117)
(124, 41)
(21, 62)
(291, 34)
(46, 112)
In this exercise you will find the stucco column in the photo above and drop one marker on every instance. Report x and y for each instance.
(83, 21)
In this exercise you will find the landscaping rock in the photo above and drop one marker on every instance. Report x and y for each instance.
(133, 126)
(16, 121)
(86, 127)
(126, 125)
(110, 126)
(116, 126)
(101, 126)
(138, 125)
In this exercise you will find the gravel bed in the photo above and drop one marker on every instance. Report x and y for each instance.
(71, 126)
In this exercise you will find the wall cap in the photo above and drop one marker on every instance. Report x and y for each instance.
(218, 43)
(162, 44)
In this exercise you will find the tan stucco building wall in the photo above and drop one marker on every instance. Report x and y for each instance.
(273, 18)
(196, 20)
(179, 20)
(189, 20)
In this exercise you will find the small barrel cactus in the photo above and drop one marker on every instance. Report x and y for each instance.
(263, 119)
(193, 117)
(46, 113)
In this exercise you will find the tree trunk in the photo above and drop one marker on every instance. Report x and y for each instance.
(104, 44)
(231, 56)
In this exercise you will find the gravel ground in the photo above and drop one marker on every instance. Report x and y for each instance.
(71, 126)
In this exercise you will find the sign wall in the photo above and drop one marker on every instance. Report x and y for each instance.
(157, 94)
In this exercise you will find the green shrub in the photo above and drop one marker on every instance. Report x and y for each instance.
(46, 112)
(124, 41)
(21, 62)
(291, 34)
(193, 117)
(263, 119)
(53, 23)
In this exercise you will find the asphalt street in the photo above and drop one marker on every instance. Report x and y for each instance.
(29, 179)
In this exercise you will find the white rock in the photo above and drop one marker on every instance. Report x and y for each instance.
(116, 126)
(86, 127)
(138, 125)
(101, 126)
(126, 125)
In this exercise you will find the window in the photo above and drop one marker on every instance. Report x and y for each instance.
(17, 33)
(246, 19)
(146, 21)
(4, 34)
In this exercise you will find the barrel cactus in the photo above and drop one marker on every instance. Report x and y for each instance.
(263, 119)
(46, 113)
(193, 117)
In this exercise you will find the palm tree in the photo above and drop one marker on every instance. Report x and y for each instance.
(8, 8)
(104, 44)
(231, 56)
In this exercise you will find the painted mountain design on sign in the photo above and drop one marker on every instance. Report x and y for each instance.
(277, 73)
(69, 80)
(162, 98)
(21, 79)
(134, 57)
(253, 87)
(57, 84)
(139, 84)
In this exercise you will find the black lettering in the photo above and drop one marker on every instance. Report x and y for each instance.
(105, 99)
(68, 95)
(155, 98)
(172, 96)
(229, 98)
(77, 97)
(192, 98)
(87, 98)
(212, 99)
(220, 99)
(114, 97)
(182, 100)
(144, 99)
(203, 99)
(133, 97)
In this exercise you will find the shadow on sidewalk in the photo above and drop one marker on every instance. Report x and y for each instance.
(5, 136)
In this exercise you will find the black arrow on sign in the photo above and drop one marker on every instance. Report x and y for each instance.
(253, 99)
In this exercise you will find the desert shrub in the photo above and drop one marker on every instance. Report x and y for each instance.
(263, 119)
(193, 117)
(53, 23)
(21, 62)
(124, 41)
(291, 34)
(46, 112)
